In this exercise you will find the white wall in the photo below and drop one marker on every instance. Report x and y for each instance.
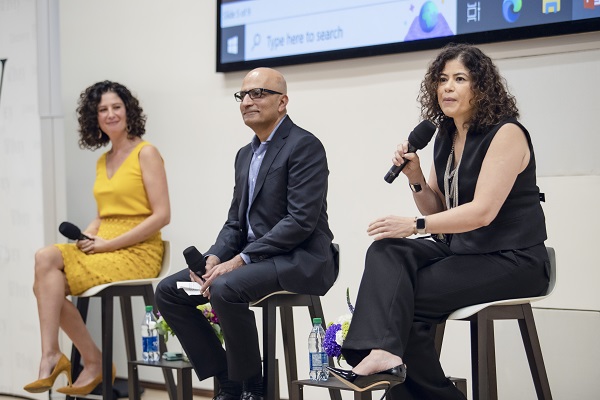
(165, 53)
(32, 180)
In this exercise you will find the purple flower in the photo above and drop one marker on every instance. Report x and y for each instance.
(350, 306)
(329, 344)
(212, 318)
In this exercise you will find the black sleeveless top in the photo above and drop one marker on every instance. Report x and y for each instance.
(520, 223)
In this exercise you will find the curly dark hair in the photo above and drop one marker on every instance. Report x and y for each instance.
(491, 101)
(90, 134)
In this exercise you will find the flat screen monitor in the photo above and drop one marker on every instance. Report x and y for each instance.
(252, 33)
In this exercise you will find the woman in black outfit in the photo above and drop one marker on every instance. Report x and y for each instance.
(482, 195)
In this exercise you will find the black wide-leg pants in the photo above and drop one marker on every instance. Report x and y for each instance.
(230, 294)
(410, 285)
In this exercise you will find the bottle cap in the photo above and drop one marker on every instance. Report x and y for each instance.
(149, 308)
(317, 321)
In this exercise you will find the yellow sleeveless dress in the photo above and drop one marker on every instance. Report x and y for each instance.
(122, 205)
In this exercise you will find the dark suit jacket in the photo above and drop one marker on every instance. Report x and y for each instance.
(288, 214)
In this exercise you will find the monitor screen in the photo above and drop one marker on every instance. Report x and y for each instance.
(255, 33)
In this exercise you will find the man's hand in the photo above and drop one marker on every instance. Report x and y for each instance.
(211, 262)
(215, 270)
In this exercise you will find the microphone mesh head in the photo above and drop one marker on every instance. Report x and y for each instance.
(192, 255)
(69, 230)
(422, 134)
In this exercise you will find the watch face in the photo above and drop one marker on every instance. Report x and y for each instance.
(420, 223)
(415, 187)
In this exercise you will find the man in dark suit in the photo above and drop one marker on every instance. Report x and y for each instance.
(276, 237)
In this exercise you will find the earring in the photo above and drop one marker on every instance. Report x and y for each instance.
(99, 133)
(128, 128)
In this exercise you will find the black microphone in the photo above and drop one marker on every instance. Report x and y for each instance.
(72, 232)
(195, 260)
(417, 140)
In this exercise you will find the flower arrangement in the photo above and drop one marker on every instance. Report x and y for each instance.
(336, 332)
(211, 316)
(165, 330)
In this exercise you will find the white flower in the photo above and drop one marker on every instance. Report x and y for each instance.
(344, 318)
(339, 337)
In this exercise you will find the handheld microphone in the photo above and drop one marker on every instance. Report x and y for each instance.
(417, 140)
(195, 260)
(70, 231)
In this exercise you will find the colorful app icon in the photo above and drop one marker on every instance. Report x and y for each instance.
(428, 17)
(511, 10)
(550, 6)
(590, 4)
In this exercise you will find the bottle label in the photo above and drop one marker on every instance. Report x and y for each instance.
(318, 360)
(149, 344)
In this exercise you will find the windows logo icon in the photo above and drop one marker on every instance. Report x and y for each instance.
(232, 45)
(511, 10)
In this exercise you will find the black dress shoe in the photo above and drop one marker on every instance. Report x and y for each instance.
(250, 396)
(390, 378)
(225, 396)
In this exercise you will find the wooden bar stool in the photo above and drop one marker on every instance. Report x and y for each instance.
(286, 301)
(124, 290)
(483, 356)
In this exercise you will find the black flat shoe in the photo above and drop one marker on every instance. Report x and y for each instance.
(360, 383)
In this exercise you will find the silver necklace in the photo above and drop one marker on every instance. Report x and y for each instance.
(451, 179)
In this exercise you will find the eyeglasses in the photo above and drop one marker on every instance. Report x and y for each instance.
(254, 94)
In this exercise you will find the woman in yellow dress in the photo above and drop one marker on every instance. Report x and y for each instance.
(125, 242)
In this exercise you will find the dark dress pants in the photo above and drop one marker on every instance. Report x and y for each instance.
(230, 295)
(410, 285)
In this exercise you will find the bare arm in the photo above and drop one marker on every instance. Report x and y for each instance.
(92, 228)
(429, 199)
(91, 231)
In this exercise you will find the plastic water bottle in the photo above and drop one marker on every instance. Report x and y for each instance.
(318, 359)
(150, 337)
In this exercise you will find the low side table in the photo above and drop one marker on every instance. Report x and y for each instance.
(181, 391)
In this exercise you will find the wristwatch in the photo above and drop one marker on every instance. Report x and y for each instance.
(420, 225)
(415, 187)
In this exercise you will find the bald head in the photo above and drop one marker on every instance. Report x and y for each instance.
(270, 78)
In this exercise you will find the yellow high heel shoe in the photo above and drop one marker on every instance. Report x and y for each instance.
(43, 385)
(87, 389)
